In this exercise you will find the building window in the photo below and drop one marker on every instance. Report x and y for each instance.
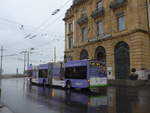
(70, 27)
(100, 28)
(84, 34)
(84, 54)
(121, 22)
(99, 4)
(70, 42)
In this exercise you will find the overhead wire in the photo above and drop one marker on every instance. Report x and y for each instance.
(10, 21)
(35, 47)
(53, 22)
(21, 26)
(21, 59)
(47, 20)
(52, 35)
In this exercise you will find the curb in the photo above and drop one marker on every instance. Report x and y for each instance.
(5, 110)
(1, 106)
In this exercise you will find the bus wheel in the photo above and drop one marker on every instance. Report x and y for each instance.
(68, 85)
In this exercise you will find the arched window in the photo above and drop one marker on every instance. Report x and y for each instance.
(84, 54)
(100, 53)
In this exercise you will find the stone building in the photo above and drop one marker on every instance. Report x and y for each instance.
(115, 31)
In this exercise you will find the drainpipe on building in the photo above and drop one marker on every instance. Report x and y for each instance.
(148, 14)
(148, 21)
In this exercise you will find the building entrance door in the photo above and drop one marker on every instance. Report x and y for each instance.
(122, 60)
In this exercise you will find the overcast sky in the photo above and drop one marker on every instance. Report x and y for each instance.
(19, 18)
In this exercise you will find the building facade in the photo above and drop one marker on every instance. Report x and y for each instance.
(114, 31)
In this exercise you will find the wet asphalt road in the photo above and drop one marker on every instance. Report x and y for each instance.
(21, 97)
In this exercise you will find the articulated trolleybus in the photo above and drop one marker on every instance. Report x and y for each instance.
(47, 74)
(43, 74)
(85, 74)
(32, 72)
(56, 74)
(38, 74)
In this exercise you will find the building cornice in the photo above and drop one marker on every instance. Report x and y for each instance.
(69, 51)
(75, 4)
(98, 13)
(114, 37)
(68, 17)
(78, 2)
(117, 3)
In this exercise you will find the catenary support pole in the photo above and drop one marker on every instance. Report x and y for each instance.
(1, 64)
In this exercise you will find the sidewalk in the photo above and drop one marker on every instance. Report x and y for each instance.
(121, 82)
(148, 83)
(4, 110)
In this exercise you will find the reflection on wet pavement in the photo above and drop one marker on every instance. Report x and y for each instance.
(21, 97)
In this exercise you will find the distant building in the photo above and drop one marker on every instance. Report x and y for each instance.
(115, 31)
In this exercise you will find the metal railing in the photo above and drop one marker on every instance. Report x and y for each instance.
(83, 19)
(98, 12)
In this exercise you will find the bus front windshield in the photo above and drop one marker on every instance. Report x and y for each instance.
(43, 73)
(76, 72)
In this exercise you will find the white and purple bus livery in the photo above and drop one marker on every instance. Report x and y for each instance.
(47, 74)
(32, 72)
(85, 74)
(38, 74)
(56, 74)
(43, 74)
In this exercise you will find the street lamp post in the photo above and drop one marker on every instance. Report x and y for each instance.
(24, 68)
(1, 64)
(28, 56)
(26, 60)
(1, 70)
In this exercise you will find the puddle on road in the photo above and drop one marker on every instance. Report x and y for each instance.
(114, 100)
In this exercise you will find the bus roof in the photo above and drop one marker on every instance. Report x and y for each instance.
(75, 63)
(30, 68)
(43, 66)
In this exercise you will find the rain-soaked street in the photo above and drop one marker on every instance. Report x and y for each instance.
(20, 97)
